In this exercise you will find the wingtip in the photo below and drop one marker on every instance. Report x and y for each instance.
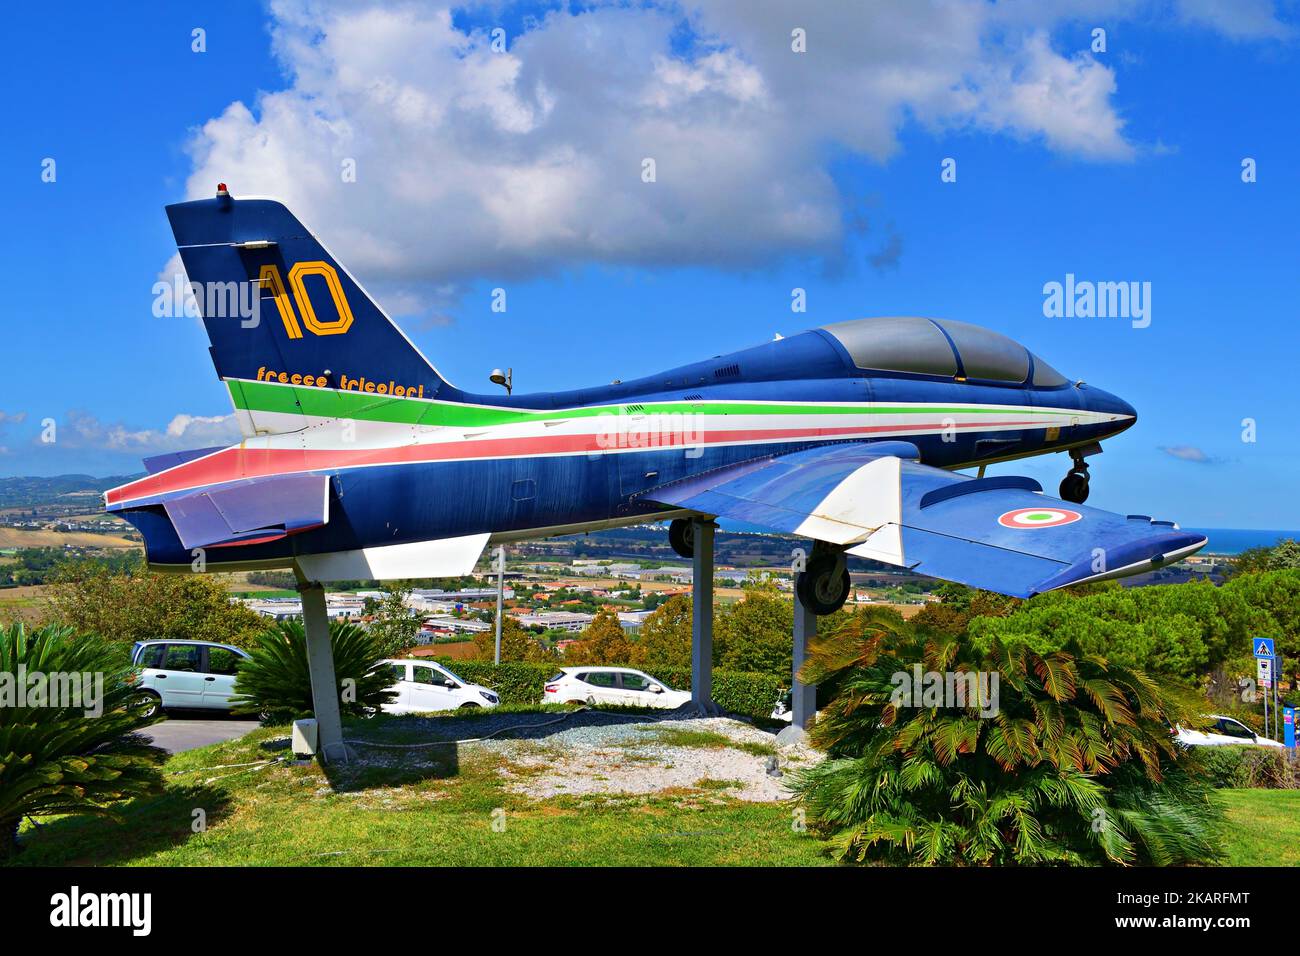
(1135, 558)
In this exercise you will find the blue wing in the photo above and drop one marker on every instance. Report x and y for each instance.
(876, 500)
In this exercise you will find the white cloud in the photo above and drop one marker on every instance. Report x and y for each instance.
(82, 430)
(1065, 101)
(1238, 19)
(1187, 453)
(473, 164)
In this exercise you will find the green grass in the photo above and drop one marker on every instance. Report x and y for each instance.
(1263, 827)
(706, 739)
(445, 806)
(435, 806)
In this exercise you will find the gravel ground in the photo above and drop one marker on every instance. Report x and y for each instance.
(649, 758)
(594, 752)
(602, 753)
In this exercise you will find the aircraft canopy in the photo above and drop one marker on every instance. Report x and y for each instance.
(935, 346)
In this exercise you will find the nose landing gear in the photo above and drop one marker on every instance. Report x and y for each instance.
(1074, 487)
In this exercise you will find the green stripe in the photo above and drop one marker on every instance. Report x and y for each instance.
(330, 403)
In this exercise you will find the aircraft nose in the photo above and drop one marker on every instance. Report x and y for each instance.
(1123, 414)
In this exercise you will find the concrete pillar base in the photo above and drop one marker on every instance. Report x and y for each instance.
(792, 736)
(338, 753)
(705, 709)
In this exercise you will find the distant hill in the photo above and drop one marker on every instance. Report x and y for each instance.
(26, 492)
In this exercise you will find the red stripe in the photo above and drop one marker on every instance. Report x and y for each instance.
(238, 462)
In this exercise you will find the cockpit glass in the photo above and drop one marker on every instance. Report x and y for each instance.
(1047, 377)
(901, 344)
(920, 346)
(986, 354)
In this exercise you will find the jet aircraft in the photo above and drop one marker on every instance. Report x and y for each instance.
(359, 460)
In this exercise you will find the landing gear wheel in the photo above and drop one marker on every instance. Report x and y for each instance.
(681, 535)
(824, 586)
(1074, 487)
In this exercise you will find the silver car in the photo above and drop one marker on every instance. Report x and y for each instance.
(184, 675)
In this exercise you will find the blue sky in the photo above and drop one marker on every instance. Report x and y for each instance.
(1134, 175)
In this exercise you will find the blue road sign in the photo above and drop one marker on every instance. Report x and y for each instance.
(1288, 726)
(1264, 647)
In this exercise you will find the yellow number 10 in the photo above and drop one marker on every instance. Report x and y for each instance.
(269, 278)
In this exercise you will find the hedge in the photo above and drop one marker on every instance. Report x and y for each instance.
(1239, 767)
(751, 695)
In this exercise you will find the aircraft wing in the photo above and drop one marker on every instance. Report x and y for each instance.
(877, 501)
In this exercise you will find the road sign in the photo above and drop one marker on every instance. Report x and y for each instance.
(1288, 726)
(1264, 647)
(1264, 670)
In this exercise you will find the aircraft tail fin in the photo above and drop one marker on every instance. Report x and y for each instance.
(291, 330)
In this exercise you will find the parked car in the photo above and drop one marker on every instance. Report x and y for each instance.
(424, 686)
(187, 674)
(1222, 732)
(611, 685)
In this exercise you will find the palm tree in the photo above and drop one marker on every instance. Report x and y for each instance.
(59, 759)
(276, 680)
(1076, 764)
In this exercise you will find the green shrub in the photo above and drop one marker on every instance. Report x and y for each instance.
(56, 760)
(1075, 764)
(751, 695)
(1235, 768)
(739, 692)
(276, 681)
(516, 682)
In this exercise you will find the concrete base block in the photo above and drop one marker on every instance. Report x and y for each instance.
(792, 737)
(338, 753)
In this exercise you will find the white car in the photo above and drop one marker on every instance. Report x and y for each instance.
(423, 686)
(187, 674)
(611, 685)
(1223, 732)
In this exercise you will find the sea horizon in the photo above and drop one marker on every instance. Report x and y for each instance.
(1237, 540)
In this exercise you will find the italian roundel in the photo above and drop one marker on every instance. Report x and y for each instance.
(1030, 518)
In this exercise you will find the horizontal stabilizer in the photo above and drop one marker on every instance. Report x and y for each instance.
(173, 458)
(250, 512)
